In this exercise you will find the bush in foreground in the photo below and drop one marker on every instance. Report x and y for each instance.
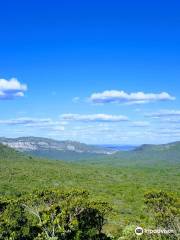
(53, 215)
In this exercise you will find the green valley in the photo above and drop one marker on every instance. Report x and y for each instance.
(123, 186)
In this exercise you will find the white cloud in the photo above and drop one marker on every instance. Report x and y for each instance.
(25, 121)
(114, 96)
(164, 113)
(94, 117)
(12, 88)
(46, 123)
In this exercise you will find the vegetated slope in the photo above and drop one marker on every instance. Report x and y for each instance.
(123, 187)
(10, 153)
(53, 149)
(147, 155)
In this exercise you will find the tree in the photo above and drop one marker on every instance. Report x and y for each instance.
(165, 209)
(53, 214)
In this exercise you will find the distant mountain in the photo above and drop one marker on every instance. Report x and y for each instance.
(146, 154)
(66, 150)
(174, 146)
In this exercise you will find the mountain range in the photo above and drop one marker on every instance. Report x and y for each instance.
(147, 154)
(53, 149)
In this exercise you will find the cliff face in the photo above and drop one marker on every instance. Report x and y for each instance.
(37, 144)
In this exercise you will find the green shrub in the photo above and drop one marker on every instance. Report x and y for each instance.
(53, 214)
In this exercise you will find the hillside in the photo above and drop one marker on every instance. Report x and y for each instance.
(53, 149)
(146, 155)
(174, 146)
(10, 153)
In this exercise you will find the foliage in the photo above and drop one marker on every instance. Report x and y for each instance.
(165, 210)
(53, 214)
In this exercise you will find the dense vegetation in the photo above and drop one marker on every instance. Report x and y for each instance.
(52, 214)
(131, 191)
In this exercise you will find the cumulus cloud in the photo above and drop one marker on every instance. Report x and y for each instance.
(94, 117)
(12, 88)
(114, 96)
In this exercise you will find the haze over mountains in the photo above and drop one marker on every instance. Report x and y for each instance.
(116, 147)
(71, 150)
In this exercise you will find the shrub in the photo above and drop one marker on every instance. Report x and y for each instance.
(53, 214)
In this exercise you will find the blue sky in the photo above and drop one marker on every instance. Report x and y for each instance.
(91, 71)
